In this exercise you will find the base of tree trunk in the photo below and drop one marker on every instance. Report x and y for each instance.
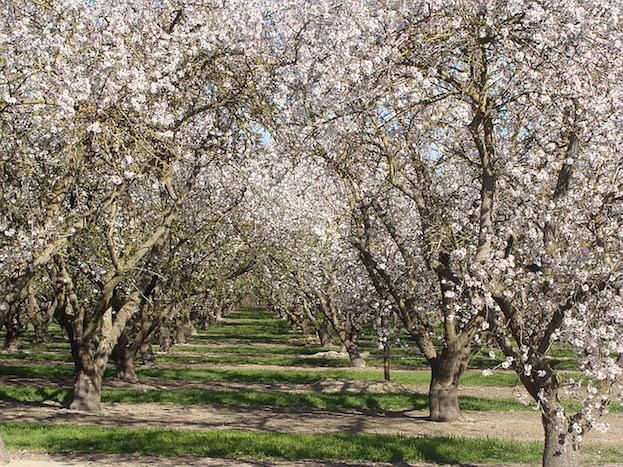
(147, 355)
(87, 396)
(128, 375)
(358, 362)
(42, 336)
(325, 338)
(443, 400)
(10, 345)
(561, 446)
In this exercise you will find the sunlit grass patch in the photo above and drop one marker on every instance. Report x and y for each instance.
(261, 445)
(299, 376)
(300, 400)
(63, 356)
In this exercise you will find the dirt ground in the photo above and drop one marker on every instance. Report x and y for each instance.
(517, 425)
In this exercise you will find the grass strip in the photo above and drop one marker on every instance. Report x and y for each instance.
(38, 357)
(420, 377)
(261, 445)
(258, 360)
(306, 400)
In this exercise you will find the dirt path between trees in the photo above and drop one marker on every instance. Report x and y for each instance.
(508, 425)
(523, 426)
(511, 425)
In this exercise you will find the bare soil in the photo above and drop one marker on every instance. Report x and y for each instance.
(512, 425)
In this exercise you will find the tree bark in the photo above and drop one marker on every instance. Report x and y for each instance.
(11, 338)
(14, 329)
(356, 361)
(164, 336)
(386, 369)
(184, 329)
(562, 445)
(39, 315)
(124, 357)
(443, 395)
(324, 334)
(87, 391)
(147, 354)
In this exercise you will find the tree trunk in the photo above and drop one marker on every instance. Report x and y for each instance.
(39, 316)
(126, 370)
(123, 356)
(443, 395)
(88, 390)
(324, 334)
(42, 333)
(184, 328)
(356, 361)
(562, 447)
(204, 321)
(14, 329)
(11, 338)
(147, 354)
(386, 372)
(164, 336)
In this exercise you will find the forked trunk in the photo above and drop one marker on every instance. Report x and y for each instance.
(302, 325)
(42, 333)
(562, 445)
(443, 395)
(39, 316)
(184, 329)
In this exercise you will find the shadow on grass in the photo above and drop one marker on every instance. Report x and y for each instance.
(237, 444)
(314, 400)
(35, 395)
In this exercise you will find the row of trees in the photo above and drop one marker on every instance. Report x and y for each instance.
(451, 167)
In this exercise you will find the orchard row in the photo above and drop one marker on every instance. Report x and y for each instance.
(447, 169)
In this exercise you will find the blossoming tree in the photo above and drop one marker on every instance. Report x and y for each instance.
(132, 104)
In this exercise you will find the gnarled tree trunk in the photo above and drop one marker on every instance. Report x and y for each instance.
(324, 334)
(443, 395)
(39, 315)
(14, 329)
(562, 434)
(124, 355)
(87, 393)
(147, 354)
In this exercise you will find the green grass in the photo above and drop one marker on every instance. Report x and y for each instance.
(246, 349)
(305, 400)
(249, 325)
(39, 356)
(37, 370)
(414, 377)
(240, 444)
(259, 360)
